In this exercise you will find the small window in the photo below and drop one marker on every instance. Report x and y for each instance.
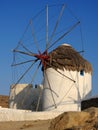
(82, 72)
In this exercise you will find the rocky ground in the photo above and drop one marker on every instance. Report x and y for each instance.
(84, 120)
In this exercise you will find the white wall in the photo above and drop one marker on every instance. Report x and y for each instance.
(66, 93)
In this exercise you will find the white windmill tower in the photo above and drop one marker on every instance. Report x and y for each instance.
(67, 80)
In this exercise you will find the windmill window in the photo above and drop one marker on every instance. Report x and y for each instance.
(82, 72)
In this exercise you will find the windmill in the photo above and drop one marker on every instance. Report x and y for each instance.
(31, 57)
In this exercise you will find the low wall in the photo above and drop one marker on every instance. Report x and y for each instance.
(24, 115)
(92, 102)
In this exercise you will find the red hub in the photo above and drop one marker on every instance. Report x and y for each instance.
(43, 57)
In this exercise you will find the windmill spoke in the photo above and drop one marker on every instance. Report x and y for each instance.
(25, 72)
(50, 89)
(25, 48)
(62, 36)
(61, 73)
(26, 53)
(57, 22)
(35, 73)
(66, 76)
(20, 63)
(34, 37)
(39, 98)
(53, 91)
(46, 27)
(65, 94)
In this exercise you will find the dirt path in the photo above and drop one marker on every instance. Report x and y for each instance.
(25, 125)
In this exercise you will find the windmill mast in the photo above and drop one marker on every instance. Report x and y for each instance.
(46, 27)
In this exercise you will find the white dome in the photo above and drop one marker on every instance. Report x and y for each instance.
(65, 44)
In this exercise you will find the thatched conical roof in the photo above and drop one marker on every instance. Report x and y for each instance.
(66, 57)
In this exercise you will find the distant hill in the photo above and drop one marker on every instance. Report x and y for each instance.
(4, 101)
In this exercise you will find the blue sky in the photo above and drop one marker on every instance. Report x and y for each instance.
(14, 17)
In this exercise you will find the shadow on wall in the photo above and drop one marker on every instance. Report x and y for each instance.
(24, 96)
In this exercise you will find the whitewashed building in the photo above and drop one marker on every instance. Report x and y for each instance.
(24, 96)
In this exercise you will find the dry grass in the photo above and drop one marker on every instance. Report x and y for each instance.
(4, 101)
